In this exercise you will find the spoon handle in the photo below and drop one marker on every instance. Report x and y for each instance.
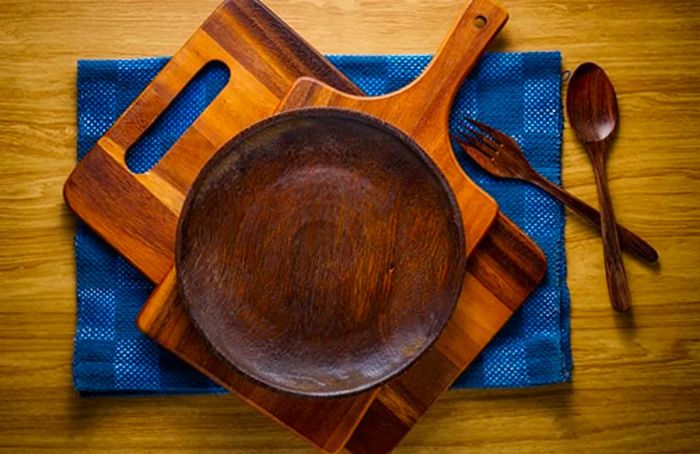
(629, 240)
(618, 289)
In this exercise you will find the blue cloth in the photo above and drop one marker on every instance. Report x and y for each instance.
(519, 93)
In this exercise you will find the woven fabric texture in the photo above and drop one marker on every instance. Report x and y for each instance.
(519, 93)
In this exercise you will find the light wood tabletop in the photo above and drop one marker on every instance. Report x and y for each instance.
(636, 382)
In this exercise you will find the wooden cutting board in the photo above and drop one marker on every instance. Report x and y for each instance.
(503, 270)
(137, 214)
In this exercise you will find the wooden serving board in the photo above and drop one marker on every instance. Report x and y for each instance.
(503, 270)
(137, 214)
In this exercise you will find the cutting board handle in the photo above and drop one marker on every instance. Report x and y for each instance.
(151, 104)
(459, 52)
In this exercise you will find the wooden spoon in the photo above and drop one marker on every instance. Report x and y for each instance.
(592, 108)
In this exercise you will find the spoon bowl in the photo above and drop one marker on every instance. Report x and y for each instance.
(592, 104)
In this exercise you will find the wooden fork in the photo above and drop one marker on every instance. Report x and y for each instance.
(501, 156)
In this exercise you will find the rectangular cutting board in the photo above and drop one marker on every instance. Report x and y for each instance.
(137, 213)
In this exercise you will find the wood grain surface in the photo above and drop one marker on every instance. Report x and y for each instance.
(636, 379)
(484, 307)
(400, 403)
(137, 213)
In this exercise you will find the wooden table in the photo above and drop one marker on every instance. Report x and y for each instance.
(637, 379)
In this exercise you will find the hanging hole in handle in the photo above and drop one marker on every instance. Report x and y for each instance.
(565, 75)
(177, 117)
(480, 22)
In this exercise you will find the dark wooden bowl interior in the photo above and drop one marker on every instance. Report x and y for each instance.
(320, 252)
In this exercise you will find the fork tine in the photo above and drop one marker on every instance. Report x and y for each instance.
(469, 142)
(476, 151)
(481, 138)
(482, 134)
(493, 132)
(463, 140)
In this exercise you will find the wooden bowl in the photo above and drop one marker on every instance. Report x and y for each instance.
(320, 252)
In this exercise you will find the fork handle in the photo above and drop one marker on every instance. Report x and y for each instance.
(629, 241)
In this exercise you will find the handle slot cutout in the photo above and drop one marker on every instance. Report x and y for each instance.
(177, 118)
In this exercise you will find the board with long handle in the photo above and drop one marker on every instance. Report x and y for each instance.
(422, 109)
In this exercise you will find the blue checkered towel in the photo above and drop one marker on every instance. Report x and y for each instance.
(516, 92)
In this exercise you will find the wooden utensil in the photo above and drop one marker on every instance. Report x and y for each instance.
(501, 156)
(320, 252)
(592, 108)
